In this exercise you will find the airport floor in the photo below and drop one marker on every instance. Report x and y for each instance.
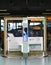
(25, 61)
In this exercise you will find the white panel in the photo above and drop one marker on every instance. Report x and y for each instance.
(14, 43)
(36, 42)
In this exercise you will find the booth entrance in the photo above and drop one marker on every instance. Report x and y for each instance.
(24, 34)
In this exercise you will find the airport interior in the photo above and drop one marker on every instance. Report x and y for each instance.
(25, 32)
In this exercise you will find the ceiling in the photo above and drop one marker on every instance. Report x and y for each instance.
(25, 7)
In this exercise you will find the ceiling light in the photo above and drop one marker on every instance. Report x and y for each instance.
(3, 10)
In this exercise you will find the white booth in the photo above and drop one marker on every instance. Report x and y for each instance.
(24, 34)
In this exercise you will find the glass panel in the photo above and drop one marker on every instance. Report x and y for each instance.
(35, 28)
(15, 27)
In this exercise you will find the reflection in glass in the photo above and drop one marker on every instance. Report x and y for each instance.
(35, 28)
(35, 23)
(15, 27)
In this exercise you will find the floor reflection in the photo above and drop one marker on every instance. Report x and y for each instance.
(25, 61)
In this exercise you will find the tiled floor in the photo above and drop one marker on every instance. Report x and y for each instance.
(27, 61)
